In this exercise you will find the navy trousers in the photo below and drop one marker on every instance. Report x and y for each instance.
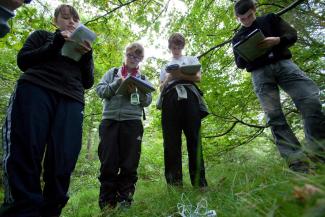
(42, 130)
(119, 154)
(177, 116)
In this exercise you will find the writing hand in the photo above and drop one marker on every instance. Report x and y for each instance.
(83, 47)
(66, 34)
(269, 42)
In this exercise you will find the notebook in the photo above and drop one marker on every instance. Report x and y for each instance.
(81, 33)
(247, 48)
(143, 86)
(186, 69)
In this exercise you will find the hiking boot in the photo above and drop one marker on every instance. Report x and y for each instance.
(300, 167)
(124, 205)
(317, 159)
(107, 205)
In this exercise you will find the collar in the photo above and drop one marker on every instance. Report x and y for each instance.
(133, 72)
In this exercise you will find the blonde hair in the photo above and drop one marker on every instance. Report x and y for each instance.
(135, 48)
(176, 39)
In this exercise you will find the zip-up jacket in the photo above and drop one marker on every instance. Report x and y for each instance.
(42, 63)
(271, 25)
(117, 106)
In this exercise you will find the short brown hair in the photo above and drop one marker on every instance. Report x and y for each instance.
(242, 6)
(176, 39)
(135, 48)
(73, 12)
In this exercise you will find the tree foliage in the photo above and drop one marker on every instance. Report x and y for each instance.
(236, 117)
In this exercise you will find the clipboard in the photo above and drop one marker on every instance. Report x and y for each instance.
(247, 48)
(143, 86)
(186, 69)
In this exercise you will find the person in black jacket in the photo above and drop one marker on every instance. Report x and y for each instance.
(43, 127)
(273, 70)
(7, 8)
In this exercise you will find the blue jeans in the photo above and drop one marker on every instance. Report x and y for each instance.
(305, 95)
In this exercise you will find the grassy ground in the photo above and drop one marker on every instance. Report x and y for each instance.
(243, 184)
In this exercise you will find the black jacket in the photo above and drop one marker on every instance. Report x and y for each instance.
(42, 63)
(271, 25)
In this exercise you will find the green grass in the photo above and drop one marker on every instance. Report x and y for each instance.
(243, 184)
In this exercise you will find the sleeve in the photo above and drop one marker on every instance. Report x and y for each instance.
(145, 99)
(287, 34)
(87, 70)
(108, 85)
(193, 60)
(39, 47)
(162, 75)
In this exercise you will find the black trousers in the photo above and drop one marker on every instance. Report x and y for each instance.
(41, 126)
(119, 154)
(178, 116)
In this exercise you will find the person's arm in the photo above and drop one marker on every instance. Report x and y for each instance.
(177, 74)
(163, 83)
(107, 86)
(145, 99)
(287, 34)
(39, 47)
(11, 4)
(87, 70)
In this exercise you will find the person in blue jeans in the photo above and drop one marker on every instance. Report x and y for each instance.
(42, 133)
(7, 8)
(273, 70)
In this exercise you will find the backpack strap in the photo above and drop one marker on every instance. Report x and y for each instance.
(115, 71)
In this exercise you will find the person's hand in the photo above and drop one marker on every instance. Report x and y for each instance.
(131, 88)
(66, 35)
(269, 42)
(83, 48)
(11, 4)
(175, 74)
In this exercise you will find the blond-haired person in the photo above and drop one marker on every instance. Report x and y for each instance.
(120, 132)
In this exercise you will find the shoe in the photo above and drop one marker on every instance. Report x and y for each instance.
(300, 167)
(124, 205)
(107, 205)
(317, 159)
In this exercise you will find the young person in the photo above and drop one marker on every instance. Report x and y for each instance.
(121, 131)
(7, 8)
(44, 121)
(181, 104)
(273, 70)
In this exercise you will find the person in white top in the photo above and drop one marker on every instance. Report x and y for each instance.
(181, 102)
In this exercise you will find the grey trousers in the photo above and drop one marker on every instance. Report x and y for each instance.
(304, 93)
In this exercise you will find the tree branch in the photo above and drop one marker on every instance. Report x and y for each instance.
(109, 12)
(286, 9)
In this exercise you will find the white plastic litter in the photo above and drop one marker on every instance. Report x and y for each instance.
(186, 209)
